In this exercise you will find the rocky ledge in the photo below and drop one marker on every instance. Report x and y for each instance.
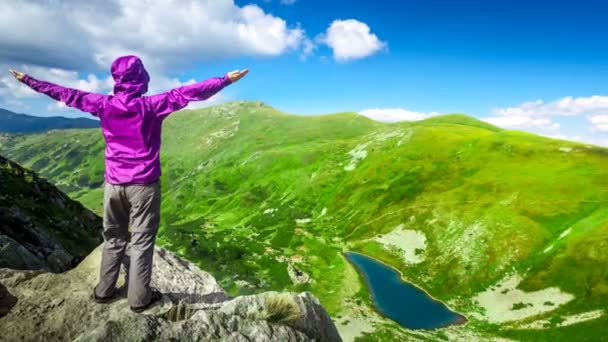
(44, 306)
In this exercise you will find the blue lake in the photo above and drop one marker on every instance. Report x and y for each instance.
(400, 301)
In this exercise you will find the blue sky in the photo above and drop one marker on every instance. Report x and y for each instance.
(538, 66)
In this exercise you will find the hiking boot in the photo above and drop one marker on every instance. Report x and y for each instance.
(104, 300)
(155, 297)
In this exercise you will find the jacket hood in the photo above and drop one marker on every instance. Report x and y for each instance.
(130, 76)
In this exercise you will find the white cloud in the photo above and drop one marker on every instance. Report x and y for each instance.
(66, 33)
(213, 100)
(11, 91)
(599, 142)
(565, 137)
(12, 88)
(599, 123)
(15, 105)
(541, 125)
(538, 116)
(567, 106)
(351, 39)
(284, 2)
(42, 33)
(57, 106)
(395, 114)
(58, 40)
(523, 122)
(308, 48)
(70, 42)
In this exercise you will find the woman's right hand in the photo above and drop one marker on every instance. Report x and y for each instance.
(18, 75)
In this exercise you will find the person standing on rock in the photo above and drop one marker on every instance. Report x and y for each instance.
(131, 125)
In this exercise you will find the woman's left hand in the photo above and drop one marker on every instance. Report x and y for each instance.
(237, 75)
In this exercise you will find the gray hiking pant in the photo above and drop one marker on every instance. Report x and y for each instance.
(139, 206)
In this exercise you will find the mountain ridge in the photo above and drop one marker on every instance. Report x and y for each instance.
(11, 122)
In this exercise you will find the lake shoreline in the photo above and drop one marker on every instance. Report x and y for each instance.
(459, 321)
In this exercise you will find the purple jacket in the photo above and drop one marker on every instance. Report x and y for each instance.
(131, 123)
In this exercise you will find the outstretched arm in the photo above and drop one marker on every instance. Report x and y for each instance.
(178, 98)
(82, 100)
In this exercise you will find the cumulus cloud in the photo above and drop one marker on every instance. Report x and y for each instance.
(395, 114)
(11, 87)
(351, 39)
(43, 33)
(538, 116)
(58, 40)
(600, 142)
(566, 137)
(599, 123)
(523, 122)
(12, 91)
(284, 2)
(68, 33)
(308, 48)
(567, 106)
(541, 125)
(594, 140)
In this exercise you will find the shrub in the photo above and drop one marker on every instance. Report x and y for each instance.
(282, 308)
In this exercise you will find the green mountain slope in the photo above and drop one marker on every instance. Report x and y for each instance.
(461, 207)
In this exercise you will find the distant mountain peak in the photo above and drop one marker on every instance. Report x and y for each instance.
(11, 122)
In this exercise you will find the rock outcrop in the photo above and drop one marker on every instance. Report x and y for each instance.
(40, 227)
(47, 306)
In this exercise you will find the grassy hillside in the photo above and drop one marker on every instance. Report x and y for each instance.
(250, 193)
(71, 159)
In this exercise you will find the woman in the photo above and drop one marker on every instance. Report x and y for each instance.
(131, 125)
